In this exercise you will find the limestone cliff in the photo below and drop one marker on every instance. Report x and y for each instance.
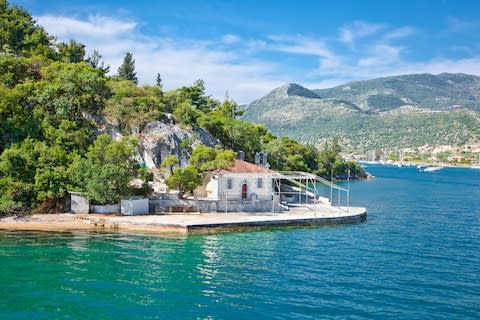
(160, 139)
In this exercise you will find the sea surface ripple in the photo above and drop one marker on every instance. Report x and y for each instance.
(416, 257)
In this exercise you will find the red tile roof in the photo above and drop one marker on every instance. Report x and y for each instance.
(241, 166)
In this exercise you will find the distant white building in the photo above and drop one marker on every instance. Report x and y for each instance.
(242, 181)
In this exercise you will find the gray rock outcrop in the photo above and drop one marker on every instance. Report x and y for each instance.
(158, 140)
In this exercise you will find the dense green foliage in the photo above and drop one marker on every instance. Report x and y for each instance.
(184, 180)
(203, 159)
(288, 155)
(170, 162)
(131, 106)
(333, 165)
(51, 98)
(55, 103)
(20, 35)
(104, 174)
(127, 69)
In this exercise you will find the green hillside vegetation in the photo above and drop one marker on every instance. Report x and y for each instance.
(390, 112)
(55, 105)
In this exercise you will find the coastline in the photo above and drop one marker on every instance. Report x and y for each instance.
(419, 163)
(182, 224)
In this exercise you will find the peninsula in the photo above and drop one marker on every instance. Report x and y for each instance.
(72, 128)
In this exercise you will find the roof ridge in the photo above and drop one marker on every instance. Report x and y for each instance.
(242, 166)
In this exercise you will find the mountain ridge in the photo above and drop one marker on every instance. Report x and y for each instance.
(440, 92)
(398, 111)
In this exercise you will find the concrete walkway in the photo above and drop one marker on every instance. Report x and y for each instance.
(185, 223)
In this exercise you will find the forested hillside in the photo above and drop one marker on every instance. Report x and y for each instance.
(394, 112)
(57, 104)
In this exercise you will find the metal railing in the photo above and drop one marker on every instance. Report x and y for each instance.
(298, 178)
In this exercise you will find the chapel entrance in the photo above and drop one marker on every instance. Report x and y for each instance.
(244, 191)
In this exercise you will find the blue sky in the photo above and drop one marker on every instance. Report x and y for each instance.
(250, 47)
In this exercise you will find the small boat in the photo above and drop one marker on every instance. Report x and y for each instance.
(432, 169)
(475, 167)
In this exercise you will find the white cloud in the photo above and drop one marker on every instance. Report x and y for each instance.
(180, 62)
(358, 29)
(301, 45)
(95, 26)
(381, 54)
(399, 33)
(230, 38)
(249, 68)
(436, 66)
(455, 24)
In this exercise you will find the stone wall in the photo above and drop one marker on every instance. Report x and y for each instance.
(248, 206)
(165, 196)
(158, 206)
(168, 203)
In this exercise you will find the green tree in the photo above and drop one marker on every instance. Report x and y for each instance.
(69, 91)
(8, 203)
(158, 81)
(329, 160)
(107, 183)
(243, 135)
(17, 121)
(201, 156)
(20, 34)
(68, 135)
(106, 172)
(170, 162)
(204, 158)
(229, 108)
(127, 68)
(290, 155)
(95, 61)
(131, 106)
(52, 179)
(195, 96)
(223, 159)
(186, 114)
(15, 69)
(33, 171)
(184, 180)
(331, 163)
(72, 51)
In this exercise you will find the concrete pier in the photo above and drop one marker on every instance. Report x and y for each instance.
(187, 223)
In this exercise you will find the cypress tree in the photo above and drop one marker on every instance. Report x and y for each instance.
(159, 81)
(127, 69)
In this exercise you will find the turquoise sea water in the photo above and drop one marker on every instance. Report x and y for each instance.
(416, 257)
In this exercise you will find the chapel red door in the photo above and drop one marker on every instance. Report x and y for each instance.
(244, 191)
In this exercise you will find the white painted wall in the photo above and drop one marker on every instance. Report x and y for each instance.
(134, 207)
(79, 203)
(218, 188)
(109, 208)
